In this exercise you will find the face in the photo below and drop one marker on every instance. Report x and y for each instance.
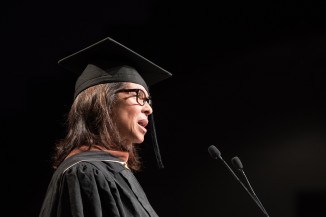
(131, 117)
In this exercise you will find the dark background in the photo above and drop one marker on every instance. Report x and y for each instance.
(248, 77)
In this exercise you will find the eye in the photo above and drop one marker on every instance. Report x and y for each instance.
(141, 95)
(133, 93)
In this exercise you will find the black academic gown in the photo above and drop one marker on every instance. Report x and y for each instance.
(95, 184)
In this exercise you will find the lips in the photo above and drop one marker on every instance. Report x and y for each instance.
(143, 122)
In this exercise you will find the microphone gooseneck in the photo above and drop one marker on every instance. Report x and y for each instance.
(237, 163)
(216, 154)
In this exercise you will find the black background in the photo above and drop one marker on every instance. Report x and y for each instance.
(248, 77)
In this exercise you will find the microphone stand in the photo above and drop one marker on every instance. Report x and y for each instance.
(237, 163)
(251, 195)
(215, 153)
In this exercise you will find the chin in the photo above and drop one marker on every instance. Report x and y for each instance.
(139, 140)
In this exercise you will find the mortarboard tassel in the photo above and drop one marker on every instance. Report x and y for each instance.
(155, 143)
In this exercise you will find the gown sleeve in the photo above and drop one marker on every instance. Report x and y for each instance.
(87, 192)
(96, 187)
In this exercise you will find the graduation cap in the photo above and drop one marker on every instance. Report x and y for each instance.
(108, 61)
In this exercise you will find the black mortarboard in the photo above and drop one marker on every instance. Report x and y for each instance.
(109, 61)
(103, 61)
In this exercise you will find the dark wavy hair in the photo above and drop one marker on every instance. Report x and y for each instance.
(90, 123)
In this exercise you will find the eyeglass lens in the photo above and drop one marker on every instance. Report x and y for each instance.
(141, 98)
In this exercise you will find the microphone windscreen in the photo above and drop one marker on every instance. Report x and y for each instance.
(214, 152)
(237, 163)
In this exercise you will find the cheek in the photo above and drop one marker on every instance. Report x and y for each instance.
(126, 119)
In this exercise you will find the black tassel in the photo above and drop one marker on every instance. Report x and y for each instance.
(155, 143)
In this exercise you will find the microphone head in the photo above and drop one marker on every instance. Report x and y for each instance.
(237, 163)
(214, 152)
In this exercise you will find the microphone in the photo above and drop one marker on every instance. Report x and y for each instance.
(216, 154)
(237, 163)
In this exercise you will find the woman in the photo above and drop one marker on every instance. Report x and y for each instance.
(94, 163)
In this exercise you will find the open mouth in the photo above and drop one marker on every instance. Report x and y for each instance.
(143, 123)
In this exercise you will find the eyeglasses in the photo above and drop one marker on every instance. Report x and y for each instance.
(140, 96)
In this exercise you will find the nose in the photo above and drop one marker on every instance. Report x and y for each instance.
(147, 109)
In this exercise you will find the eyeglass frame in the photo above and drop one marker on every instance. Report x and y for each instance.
(146, 99)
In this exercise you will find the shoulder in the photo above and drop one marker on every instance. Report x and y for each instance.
(89, 171)
(87, 176)
(90, 162)
(89, 167)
